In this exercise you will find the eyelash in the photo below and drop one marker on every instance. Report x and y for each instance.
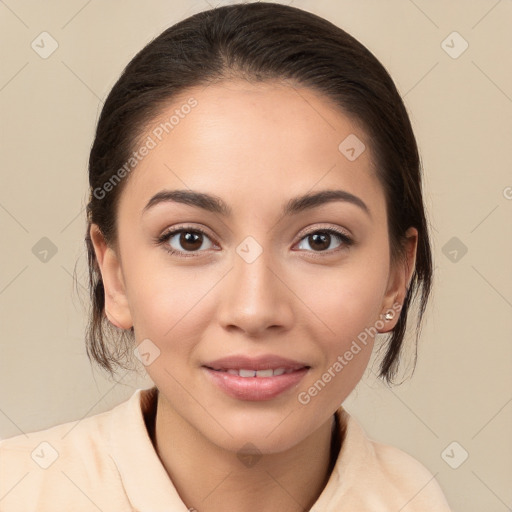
(165, 237)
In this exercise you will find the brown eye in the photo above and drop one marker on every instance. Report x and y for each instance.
(185, 240)
(190, 241)
(321, 240)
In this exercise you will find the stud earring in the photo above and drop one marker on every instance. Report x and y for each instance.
(389, 315)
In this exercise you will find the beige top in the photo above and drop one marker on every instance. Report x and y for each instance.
(107, 462)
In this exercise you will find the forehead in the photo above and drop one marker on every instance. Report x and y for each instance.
(252, 139)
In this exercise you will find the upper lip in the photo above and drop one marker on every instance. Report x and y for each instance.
(264, 362)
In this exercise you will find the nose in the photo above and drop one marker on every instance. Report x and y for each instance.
(255, 298)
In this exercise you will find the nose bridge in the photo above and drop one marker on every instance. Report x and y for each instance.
(256, 298)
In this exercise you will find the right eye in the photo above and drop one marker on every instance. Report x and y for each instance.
(184, 241)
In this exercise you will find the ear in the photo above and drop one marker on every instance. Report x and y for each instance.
(116, 303)
(399, 281)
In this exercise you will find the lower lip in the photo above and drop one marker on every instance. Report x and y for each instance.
(255, 388)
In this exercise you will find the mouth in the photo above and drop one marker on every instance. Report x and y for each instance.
(255, 379)
(241, 372)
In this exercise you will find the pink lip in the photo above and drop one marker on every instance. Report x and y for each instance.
(255, 388)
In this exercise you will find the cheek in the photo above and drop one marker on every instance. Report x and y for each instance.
(166, 300)
(346, 350)
(347, 305)
(351, 318)
(345, 300)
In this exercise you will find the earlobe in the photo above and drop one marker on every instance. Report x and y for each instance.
(399, 282)
(116, 302)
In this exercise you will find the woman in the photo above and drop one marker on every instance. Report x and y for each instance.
(255, 219)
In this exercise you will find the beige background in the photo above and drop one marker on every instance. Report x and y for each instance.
(461, 109)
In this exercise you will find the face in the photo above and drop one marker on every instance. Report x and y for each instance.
(246, 277)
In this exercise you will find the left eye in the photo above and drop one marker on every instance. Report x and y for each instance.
(321, 239)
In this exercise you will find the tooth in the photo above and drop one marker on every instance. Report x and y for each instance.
(279, 371)
(247, 373)
(265, 373)
(232, 372)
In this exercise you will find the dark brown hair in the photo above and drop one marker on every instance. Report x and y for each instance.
(259, 42)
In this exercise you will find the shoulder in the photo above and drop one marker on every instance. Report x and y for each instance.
(411, 480)
(370, 475)
(66, 460)
(69, 436)
(60, 442)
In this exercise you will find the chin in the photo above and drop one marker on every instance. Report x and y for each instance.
(270, 431)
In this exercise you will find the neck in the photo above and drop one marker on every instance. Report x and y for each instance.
(209, 478)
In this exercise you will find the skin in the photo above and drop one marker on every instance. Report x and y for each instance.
(255, 146)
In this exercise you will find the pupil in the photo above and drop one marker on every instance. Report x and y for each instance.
(189, 240)
(323, 238)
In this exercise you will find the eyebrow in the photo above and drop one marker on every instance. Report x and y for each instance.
(215, 204)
